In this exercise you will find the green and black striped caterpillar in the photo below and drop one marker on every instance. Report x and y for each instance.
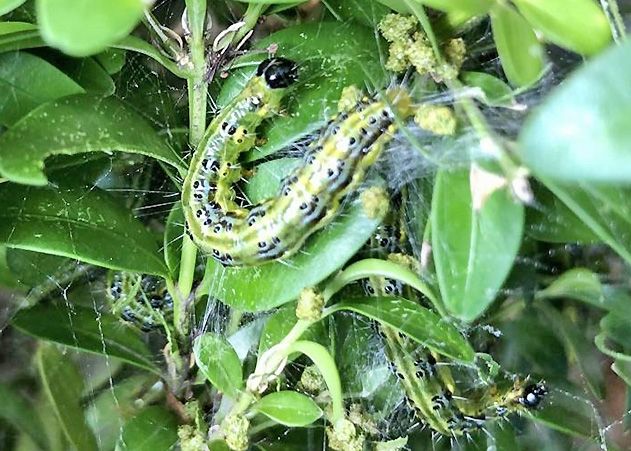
(139, 300)
(429, 383)
(309, 197)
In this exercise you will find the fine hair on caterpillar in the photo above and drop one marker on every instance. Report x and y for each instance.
(334, 165)
(444, 396)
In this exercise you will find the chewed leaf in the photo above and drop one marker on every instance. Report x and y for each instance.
(73, 125)
(417, 322)
(289, 408)
(89, 226)
(219, 363)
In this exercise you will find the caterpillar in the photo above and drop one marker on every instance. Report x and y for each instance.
(430, 387)
(309, 197)
(139, 300)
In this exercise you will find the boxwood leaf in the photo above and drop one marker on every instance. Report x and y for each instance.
(153, 429)
(602, 208)
(85, 27)
(473, 249)
(72, 222)
(218, 361)
(83, 329)
(520, 52)
(72, 125)
(63, 386)
(18, 412)
(289, 408)
(580, 133)
(417, 322)
(582, 28)
(28, 81)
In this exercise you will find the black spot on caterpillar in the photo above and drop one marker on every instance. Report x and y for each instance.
(334, 165)
(447, 407)
(139, 300)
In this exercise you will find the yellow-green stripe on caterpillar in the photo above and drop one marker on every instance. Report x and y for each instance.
(334, 164)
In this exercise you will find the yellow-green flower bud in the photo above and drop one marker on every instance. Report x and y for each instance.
(351, 95)
(312, 381)
(235, 430)
(310, 305)
(437, 119)
(397, 57)
(395, 27)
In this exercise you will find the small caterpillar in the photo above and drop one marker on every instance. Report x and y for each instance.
(139, 300)
(429, 384)
(309, 197)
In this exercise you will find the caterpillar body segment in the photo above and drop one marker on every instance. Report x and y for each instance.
(333, 166)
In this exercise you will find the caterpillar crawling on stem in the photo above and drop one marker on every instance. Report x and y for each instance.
(333, 166)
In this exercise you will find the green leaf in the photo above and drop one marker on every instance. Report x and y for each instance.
(604, 209)
(577, 283)
(153, 429)
(219, 363)
(63, 385)
(496, 92)
(89, 74)
(112, 60)
(582, 28)
(623, 370)
(85, 330)
(419, 323)
(73, 125)
(569, 414)
(87, 225)
(473, 250)
(18, 35)
(28, 81)
(33, 268)
(173, 235)
(266, 180)
(332, 56)
(473, 7)
(18, 412)
(325, 363)
(580, 132)
(110, 409)
(520, 52)
(9, 5)
(367, 13)
(550, 220)
(85, 27)
(289, 408)
(273, 284)
(279, 323)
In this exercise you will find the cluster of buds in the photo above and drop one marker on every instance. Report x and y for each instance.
(410, 47)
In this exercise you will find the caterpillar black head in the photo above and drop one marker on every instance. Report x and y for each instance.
(278, 72)
(532, 395)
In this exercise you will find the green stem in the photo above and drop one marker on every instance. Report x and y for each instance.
(197, 92)
(475, 117)
(250, 19)
(371, 267)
